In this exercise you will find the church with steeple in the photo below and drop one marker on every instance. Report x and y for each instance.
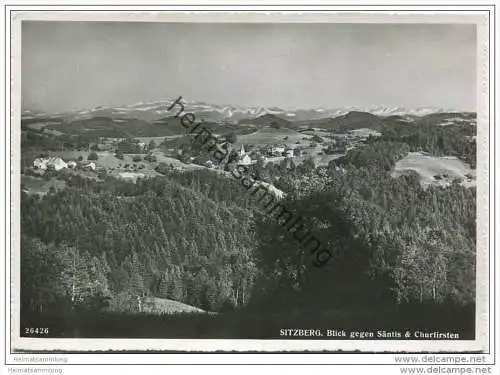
(243, 157)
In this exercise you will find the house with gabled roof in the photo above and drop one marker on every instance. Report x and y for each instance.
(55, 163)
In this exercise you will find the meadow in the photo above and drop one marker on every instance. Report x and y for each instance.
(269, 136)
(428, 166)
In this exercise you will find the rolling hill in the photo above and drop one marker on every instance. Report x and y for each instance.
(117, 128)
(269, 120)
(350, 121)
(154, 118)
(446, 118)
(269, 135)
(153, 110)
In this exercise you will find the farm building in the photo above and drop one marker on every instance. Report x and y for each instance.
(88, 165)
(55, 163)
(277, 150)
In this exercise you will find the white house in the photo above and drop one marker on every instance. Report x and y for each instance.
(71, 164)
(88, 165)
(277, 150)
(55, 163)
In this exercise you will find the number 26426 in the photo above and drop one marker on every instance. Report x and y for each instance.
(36, 331)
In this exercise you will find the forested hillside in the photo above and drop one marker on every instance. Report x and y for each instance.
(200, 238)
(155, 238)
(391, 240)
(191, 237)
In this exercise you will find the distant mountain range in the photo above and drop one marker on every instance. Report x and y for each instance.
(156, 110)
(155, 120)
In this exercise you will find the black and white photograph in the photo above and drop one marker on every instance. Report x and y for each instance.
(303, 184)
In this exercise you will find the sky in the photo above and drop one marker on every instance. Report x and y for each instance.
(79, 65)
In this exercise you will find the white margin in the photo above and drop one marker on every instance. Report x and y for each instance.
(93, 344)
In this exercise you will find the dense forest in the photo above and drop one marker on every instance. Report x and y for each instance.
(198, 237)
(156, 237)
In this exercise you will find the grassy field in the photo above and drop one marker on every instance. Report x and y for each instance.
(267, 136)
(157, 140)
(131, 176)
(429, 166)
(36, 185)
(365, 132)
(168, 306)
(41, 125)
(69, 154)
(175, 162)
(319, 160)
(324, 159)
(316, 131)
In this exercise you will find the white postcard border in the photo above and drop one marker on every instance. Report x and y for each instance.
(485, 139)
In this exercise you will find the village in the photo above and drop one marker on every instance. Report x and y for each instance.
(56, 163)
(142, 157)
(268, 145)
